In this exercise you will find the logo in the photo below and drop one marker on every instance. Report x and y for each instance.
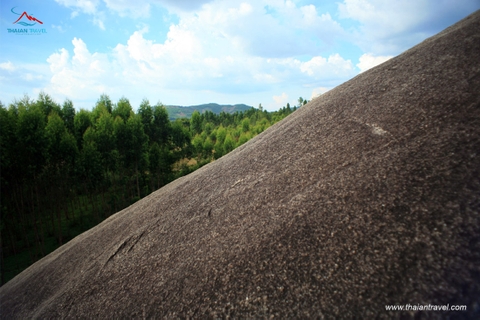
(25, 14)
(26, 20)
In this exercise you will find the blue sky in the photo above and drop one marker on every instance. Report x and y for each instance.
(185, 52)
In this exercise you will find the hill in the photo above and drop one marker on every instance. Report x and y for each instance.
(365, 197)
(175, 112)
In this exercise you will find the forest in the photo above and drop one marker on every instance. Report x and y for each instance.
(64, 171)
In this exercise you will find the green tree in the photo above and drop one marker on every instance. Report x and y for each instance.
(111, 152)
(244, 137)
(137, 146)
(68, 115)
(197, 144)
(160, 164)
(180, 134)
(121, 136)
(105, 139)
(221, 134)
(8, 123)
(219, 150)
(81, 122)
(161, 125)
(300, 102)
(105, 101)
(61, 155)
(236, 133)
(288, 109)
(245, 125)
(228, 144)
(46, 104)
(54, 132)
(196, 123)
(123, 109)
(209, 131)
(32, 144)
(90, 162)
(146, 113)
(69, 150)
(220, 139)
(208, 147)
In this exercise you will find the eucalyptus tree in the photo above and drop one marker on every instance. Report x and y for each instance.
(123, 109)
(146, 113)
(47, 104)
(105, 140)
(105, 101)
(136, 148)
(31, 142)
(68, 115)
(196, 123)
(161, 128)
(81, 122)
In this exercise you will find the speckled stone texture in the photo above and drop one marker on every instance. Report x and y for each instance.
(367, 196)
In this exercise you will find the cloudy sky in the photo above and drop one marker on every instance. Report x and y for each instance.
(186, 52)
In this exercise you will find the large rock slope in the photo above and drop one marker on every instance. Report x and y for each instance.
(367, 196)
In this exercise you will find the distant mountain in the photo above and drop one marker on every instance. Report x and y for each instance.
(175, 112)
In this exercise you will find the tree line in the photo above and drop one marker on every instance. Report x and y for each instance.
(63, 171)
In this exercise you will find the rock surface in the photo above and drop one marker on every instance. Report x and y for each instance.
(367, 196)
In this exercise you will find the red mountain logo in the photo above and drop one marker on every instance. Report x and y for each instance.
(29, 17)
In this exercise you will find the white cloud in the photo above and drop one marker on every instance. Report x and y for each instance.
(59, 28)
(86, 6)
(183, 5)
(218, 49)
(281, 31)
(368, 61)
(232, 47)
(287, 28)
(188, 58)
(90, 7)
(388, 27)
(83, 75)
(184, 62)
(332, 67)
(58, 61)
(31, 77)
(224, 50)
(281, 100)
(135, 9)
(17, 79)
(98, 20)
(8, 66)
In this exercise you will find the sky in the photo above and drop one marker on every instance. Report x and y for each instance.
(189, 52)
